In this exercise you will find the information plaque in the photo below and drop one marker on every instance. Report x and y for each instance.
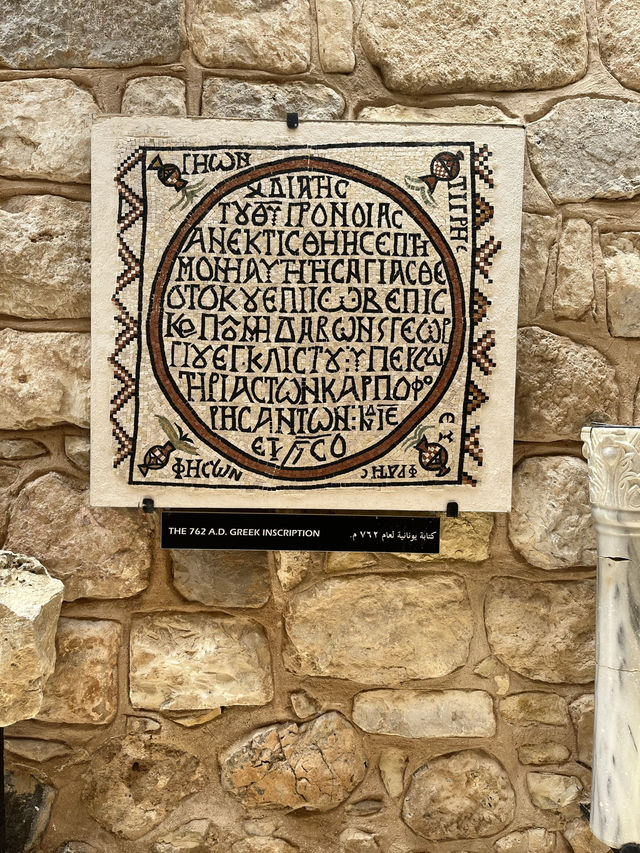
(300, 532)
(319, 317)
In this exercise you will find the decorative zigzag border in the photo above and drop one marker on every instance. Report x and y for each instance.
(482, 363)
(130, 211)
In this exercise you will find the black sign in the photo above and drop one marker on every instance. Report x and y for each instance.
(263, 531)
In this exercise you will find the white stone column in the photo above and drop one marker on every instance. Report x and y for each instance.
(613, 453)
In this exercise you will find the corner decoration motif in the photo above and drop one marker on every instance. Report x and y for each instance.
(303, 316)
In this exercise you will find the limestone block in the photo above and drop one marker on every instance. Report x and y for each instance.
(198, 661)
(132, 784)
(304, 706)
(460, 114)
(531, 708)
(68, 33)
(77, 847)
(587, 148)
(44, 380)
(77, 449)
(225, 98)
(429, 714)
(550, 522)
(621, 256)
(293, 567)
(544, 631)
(357, 841)
(44, 243)
(548, 752)
(582, 711)
(574, 293)
(346, 561)
(538, 235)
(550, 404)
(36, 750)
(534, 840)
(97, 552)
(224, 578)
(463, 538)
(314, 765)
(28, 802)
(462, 795)
(268, 35)
(375, 629)
(45, 130)
(155, 96)
(553, 791)
(364, 808)
(619, 39)
(84, 686)
(335, 35)
(30, 604)
(428, 46)
(263, 845)
(582, 840)
(8, 477)
(393, 763)
(21, 448)
(196, 835)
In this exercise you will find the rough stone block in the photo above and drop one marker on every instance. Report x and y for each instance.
(335, 35)
(544, 631)
(531, 708)
(21, 448)
(621, 255)
(36, 750)
(68, 33)
(425, 46)
(548, 752)
(269, 35)
(550, 404)
(393, 763)
(460, 114)
(553, 791)
(574, 292)
(619, 39)
(44, 243)
(45, 130)
(462, 795)
(582, 712)
(96, 552)
(538, 235)
(198, 661)
(44, 380)
(225, 98)
(222, 578)
(293, 567)
(313, 765)
(30, 604)
(77, 450)
(425, 714)
(550, 523)
(534, 840)
(28, 802)
(375, 629)
(133, 783)
(154, 96)
(587, 148)
(582, 840)
(84, 686)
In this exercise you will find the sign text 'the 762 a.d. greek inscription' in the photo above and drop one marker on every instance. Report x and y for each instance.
(313, 318)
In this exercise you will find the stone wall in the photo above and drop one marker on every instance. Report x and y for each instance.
(318, 703)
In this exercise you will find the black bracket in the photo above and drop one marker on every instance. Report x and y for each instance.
(452, 509)
(148, 505)
(292, 121)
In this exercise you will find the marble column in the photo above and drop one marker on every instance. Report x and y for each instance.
(613, 454)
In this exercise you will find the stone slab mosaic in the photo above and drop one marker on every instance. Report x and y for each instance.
(320, 317)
